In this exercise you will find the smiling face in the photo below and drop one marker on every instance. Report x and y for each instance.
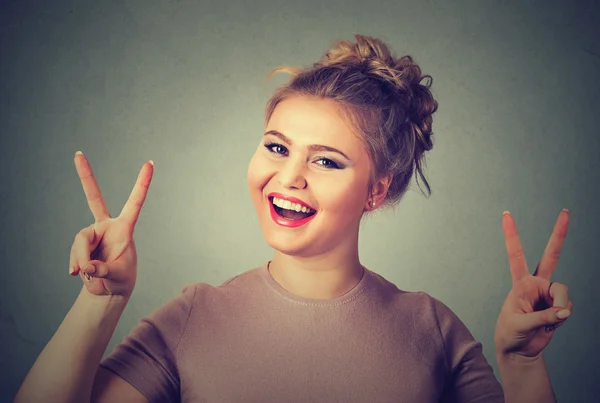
(296, 158)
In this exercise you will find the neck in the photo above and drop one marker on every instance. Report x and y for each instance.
(318, 277)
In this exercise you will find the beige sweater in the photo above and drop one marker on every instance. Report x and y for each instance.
(250, 340)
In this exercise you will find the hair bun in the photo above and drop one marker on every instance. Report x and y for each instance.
(385, 99)
(373, 57)
(365, 49)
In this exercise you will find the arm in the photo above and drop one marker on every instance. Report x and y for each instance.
(66, 368)
(525, 381)
(471, 378)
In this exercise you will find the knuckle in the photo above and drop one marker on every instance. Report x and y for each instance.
(81, 235)
(560, 287)
(518, 253)
(553, 255)
(84, 236)
(93, 195)
(136, 201)
(560, 232)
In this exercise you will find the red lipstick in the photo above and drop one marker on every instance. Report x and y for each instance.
(284, 222)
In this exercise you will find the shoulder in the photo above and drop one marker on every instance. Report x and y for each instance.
(419, 304)
(431, 333)
(201, 295)
(423, 312)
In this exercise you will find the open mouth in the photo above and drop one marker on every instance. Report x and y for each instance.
(290, 214)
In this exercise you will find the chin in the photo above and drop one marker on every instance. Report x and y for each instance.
(288, 245)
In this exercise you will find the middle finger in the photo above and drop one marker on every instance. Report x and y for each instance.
(549, 259)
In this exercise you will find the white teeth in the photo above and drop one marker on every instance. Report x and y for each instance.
(286, 204)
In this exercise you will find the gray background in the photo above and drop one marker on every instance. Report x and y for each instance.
(183, 83)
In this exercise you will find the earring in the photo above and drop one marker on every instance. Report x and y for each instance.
(372, 203)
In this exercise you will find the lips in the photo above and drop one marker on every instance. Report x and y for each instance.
(284, 222)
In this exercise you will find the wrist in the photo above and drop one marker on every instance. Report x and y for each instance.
(103, 300)
(517, 359)
(100, 309)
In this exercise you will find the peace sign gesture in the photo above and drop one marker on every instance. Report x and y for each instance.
(104, 253)
(533, 308)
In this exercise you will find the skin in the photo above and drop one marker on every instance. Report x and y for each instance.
(533, 301)
(319, 259)
(531, 305)
(104, 253)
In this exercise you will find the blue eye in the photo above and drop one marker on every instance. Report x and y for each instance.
(328, 163)
(280, 150)
(274, 146)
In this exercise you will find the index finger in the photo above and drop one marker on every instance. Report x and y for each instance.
(132, 208)
(90, 187)
(516, 257)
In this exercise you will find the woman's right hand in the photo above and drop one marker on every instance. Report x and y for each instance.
(104, 254)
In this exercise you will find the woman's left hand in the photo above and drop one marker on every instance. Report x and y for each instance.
(528, 318)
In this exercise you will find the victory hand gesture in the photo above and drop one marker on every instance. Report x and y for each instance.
(104, 253)
(535, 307)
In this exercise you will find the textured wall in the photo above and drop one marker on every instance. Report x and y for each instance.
(182, 83)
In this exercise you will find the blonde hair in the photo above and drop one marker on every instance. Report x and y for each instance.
(383, 99)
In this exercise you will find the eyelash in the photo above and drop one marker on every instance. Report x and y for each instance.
(333, 164)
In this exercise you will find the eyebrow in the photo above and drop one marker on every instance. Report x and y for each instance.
(312, 147)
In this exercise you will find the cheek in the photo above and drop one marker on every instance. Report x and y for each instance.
(259, 172)
(343, 196)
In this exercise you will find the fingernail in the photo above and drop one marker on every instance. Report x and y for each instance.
(565, 210)
(563, 314)
(506, 212)
(89, 269)
(78, 152)
(71, 270)
(152, 162)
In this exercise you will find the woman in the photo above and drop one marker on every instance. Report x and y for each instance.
(342, 139)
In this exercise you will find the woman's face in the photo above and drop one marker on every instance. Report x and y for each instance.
(297, 160)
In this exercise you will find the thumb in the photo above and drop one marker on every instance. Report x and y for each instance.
(96, 268)
(548, 316)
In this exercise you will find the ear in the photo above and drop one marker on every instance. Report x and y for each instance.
(378, 192)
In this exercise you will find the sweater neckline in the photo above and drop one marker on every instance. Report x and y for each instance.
(349, 296)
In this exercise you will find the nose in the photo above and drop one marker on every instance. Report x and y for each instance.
(291, 175)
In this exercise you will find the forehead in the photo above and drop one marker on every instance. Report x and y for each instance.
(311, 120)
